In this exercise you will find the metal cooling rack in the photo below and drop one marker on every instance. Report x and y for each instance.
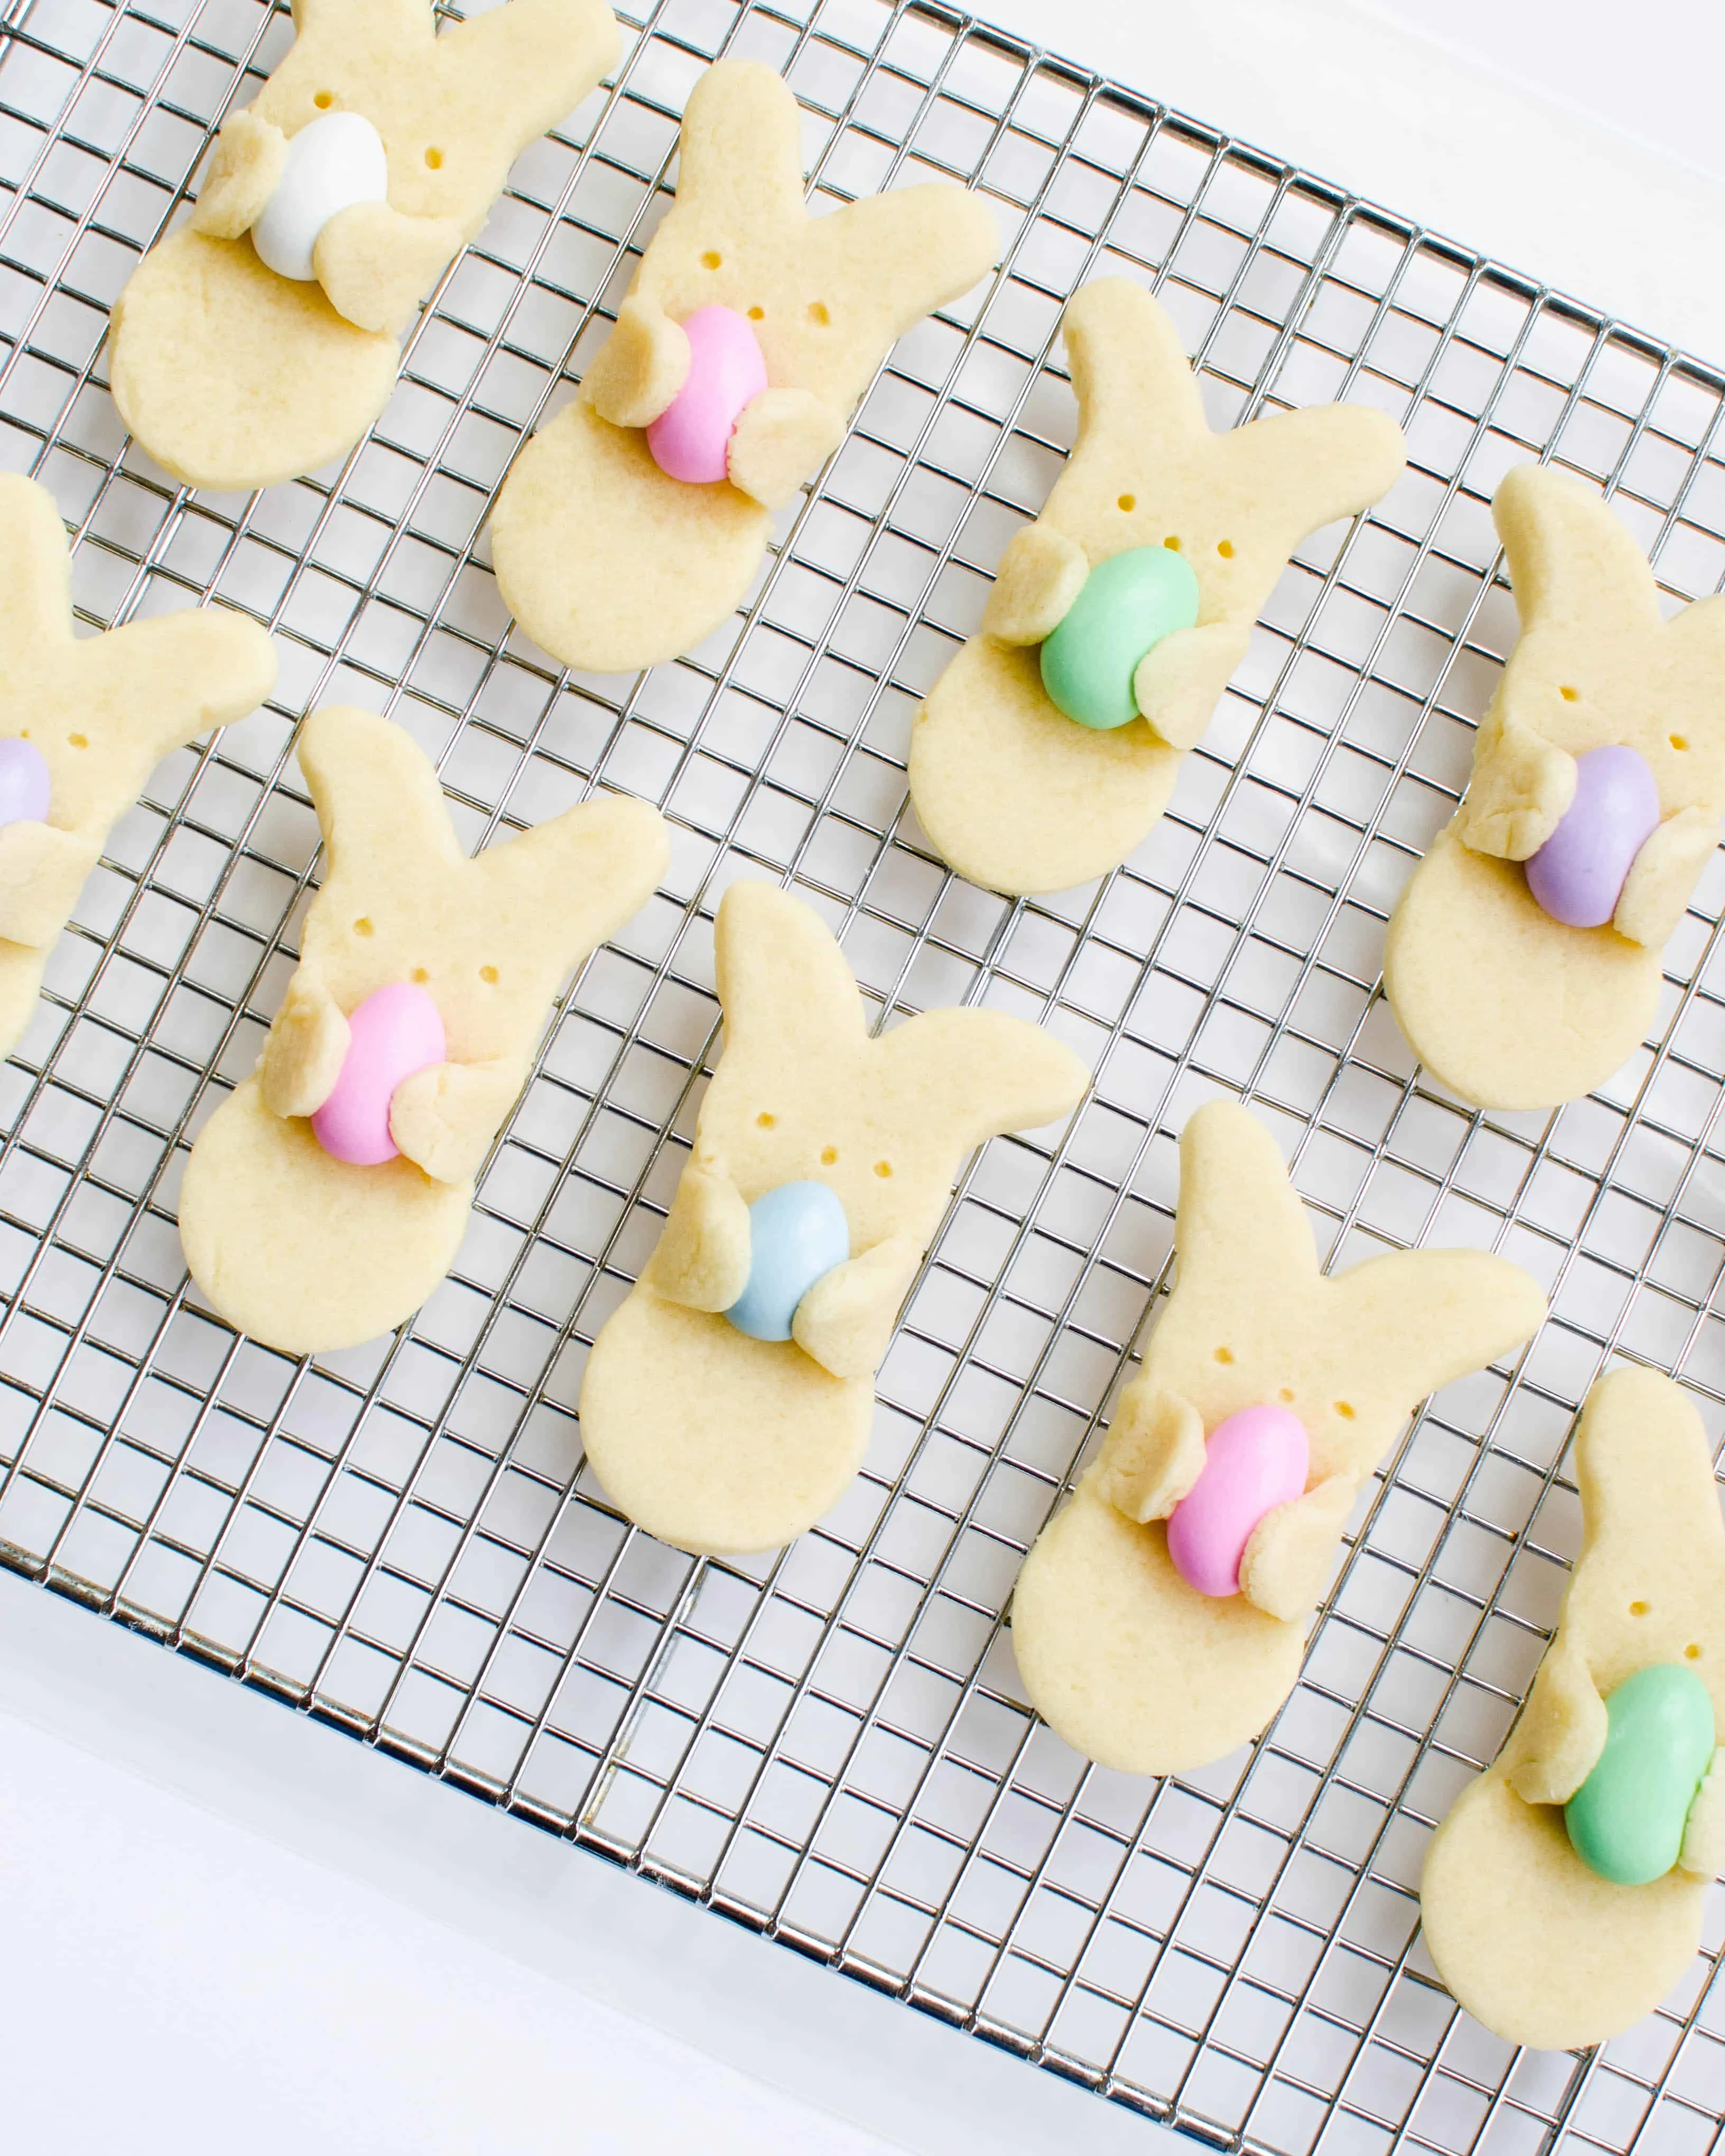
(831, 1745)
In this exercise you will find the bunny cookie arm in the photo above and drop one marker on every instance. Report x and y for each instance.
(640, 367)
(1537, 1945)
(1153, 1453)
(1041, 573)
(780, 438)
(445, 1117)
(376, 264)
(1289, 1555)
(1659, 886)
(245, 170)
(701, 1259)
(1520, 790)
(304, 1049)
(1179, 681)
(845, 1320)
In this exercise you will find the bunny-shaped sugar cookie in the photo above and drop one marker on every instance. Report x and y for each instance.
(233, 375)
(609, 562)
(718, 1441)
(305, 1250)
(82, 722)
(1510, 1006)
(1133, 1665)
(1533, 1942)
(1014, 793)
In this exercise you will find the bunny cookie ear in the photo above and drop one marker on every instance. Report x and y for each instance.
(1127, 361)
(1644, 1469)
(587, 869)
(915, 248)
(1238, 1212)
(1572, 562)
(375, 792)
(980, 1072)
(781, 973)
(1314, 465)
(1433, 1316)
(740, 156)
(35, 570)
(524, 57)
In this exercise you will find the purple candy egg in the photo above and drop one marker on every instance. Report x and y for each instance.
(24, 789)
(1579, 872)
(1254, 1461)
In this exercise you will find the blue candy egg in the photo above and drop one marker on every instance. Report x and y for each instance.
(796, 1233)
(23, 783)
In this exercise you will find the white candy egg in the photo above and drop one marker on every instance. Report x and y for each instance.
(337, 162)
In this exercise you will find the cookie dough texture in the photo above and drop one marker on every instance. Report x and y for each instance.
(1531, 1942)
(607, 562)
(1505, 1005)
(103, 711)
(717, 1442)
(233, 377)
(1134, 1668)
(1013, 794)
(304, 1252)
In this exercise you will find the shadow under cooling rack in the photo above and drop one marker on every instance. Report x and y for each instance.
(831, 1744)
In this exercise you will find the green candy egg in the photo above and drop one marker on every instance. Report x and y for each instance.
(1626, 1820)
(1127, 604)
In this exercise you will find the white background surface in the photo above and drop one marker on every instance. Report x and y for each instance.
(370, 1963)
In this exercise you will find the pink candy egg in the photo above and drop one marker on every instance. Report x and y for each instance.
(394, 1033)
(690, 439)
(1254, 1461)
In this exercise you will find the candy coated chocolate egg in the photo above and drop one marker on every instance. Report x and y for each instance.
(690, 438)
(393, 1034)
(1578, 874)
(796, 1233)
(1626, 1820)
(331, 164)
(24, 789)
(1126, 604)
(1253, 1462)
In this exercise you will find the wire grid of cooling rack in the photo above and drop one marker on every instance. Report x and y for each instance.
(831, 1743)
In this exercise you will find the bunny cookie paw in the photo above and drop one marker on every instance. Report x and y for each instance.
(1563, 1895)
(261, 340)
(83, 721)
(1160, 1619)
(1048, 748)
(1523, 958)
(324, 1199)
(726, 1403)
(631, 525)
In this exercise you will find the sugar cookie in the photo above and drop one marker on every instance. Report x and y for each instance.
(1136, 1667)
(1600, 768)
(715, 1438)
(1015, 790)
(608, 559)
(1532, 1942)
(307, 1244)
(234, 375)
(82, 722)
